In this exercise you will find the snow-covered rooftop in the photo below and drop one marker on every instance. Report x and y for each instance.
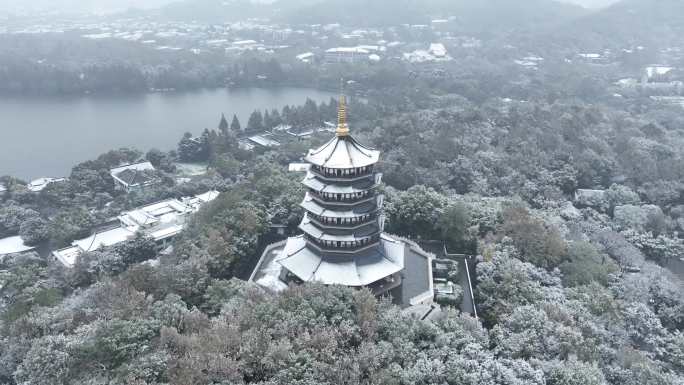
(104, 239)
(11, 245)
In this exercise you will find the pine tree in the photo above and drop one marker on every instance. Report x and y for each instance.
(268, 122)
(223, 125)
(275, 117)
(256, 122)
(235, 124)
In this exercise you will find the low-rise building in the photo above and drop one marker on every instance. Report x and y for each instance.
(40, 184)
(134, 176)
(264, 140)
(346, 55)
(306, 57)
(436, 52)
(13, 245)
(161, 221)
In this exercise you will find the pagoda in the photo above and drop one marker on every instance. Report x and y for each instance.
(343, 241)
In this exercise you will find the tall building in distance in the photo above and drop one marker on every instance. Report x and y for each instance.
(343, 242)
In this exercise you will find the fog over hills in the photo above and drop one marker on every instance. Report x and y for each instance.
(200, 6)
(592, 3)
(77, 6)
(629, 22)
(472, 16)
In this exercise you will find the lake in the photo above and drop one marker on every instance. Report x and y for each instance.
(43, 136)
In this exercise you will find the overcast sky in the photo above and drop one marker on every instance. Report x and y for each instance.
(118, 5)
(79, 5)
(592, 3)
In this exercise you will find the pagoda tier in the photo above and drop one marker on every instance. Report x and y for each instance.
(342, 156)
(319, 183)
(377, 266)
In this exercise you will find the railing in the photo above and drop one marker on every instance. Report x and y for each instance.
(339, 176)
(339, 199)
(341, 225)
(356, 247)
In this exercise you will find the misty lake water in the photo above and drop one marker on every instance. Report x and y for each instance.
(41, 136)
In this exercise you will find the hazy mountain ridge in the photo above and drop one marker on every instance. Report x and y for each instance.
(629, 22)
(480, 15)
(78, 6)
(471, 16)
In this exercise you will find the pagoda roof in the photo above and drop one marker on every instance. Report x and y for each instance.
(312, 206)
(313, 182)
(361, 269)
(343, 152)
(342, 235)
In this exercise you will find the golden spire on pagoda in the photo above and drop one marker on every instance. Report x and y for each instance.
(342, 126)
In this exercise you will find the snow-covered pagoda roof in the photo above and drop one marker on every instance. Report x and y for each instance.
(314, 183)
(363, 269)
(343, 152)
(310, 205)
(339, 235)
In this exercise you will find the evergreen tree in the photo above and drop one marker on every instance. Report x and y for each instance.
(203, 149)
(188, 148)
(256, 122)
(235, 124)
(309, 113)
(275, 117)
(286, 116)
(268, 122)
(223, 125)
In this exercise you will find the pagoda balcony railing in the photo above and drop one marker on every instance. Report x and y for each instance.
(334, 177)
(343, 172)
(320, 222)
(344, 247)
(339, 199)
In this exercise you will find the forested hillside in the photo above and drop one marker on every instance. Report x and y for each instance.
(547, 146)
(566, 295)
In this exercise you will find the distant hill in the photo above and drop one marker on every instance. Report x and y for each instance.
(219, 11)
(471, 15)
(214, 11)
(626, 23)
(77, 6)
(593, 4)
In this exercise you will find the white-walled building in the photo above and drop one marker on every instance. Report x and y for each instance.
(161, 221)
(40, 184)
